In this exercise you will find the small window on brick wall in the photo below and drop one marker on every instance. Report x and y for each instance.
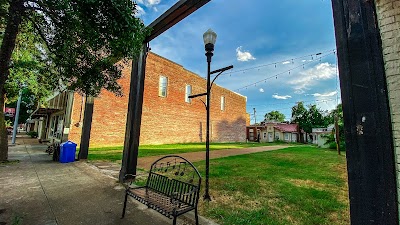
(222, 103)
(162, 90)
(188, 92)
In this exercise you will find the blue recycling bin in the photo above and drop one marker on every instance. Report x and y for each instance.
(67, 152)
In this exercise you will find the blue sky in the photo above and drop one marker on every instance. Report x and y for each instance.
(282, 39)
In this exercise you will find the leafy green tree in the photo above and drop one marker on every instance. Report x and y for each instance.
(83, 40)
(309, 118)
(31, 69)
(27, 106)
(275, 116)
(300, 116)
(315, 117)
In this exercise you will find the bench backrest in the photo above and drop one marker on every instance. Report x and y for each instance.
(175, 176)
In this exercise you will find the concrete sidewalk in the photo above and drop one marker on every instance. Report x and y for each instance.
(37, 190)
(145, 162)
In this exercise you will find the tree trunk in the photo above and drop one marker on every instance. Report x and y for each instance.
(7, 47)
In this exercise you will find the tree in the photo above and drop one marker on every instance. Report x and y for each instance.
(308, 119)
(275, 116)
(315, 117)
(31, 69)
(300, 116)
(27, 106)
(83, 40)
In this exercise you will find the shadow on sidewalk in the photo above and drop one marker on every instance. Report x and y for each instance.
(37, 190)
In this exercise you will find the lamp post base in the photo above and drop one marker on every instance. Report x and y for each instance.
(207, 197)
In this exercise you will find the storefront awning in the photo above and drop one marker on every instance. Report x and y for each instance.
(39, 112)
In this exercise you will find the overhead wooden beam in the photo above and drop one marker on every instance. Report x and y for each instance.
(172, 16)
(134, 116)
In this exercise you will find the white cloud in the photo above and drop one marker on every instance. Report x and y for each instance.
(261, 90)
(286, 62)
(148, 2)
(328, 94)
(153, 2)
(281, 97)
(139, 11)
(243, 55)
(310, 77)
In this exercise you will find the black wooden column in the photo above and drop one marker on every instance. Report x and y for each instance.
(369, 141)
(176, 13)
(87, 126)
(134, 117)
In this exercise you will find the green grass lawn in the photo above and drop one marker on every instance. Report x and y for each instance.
(115, 153)
(298, 185)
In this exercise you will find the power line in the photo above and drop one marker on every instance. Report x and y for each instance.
(284, 72)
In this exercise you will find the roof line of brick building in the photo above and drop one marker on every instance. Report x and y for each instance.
(162, 57)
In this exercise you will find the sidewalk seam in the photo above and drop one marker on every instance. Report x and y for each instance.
(41, 185)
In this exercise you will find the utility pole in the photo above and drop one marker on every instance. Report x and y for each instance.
(255, 118)
(337, 135)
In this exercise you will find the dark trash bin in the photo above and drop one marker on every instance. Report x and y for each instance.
(56, 152)
(67, 152)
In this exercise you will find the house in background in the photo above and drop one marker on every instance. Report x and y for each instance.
(168, 116)
(286, 132)
(270, 132)
(253, 132)
(318, 136)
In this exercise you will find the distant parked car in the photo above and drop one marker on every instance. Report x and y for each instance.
(9, 130)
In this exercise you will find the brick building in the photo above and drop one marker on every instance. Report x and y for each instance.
(388, 13)
(169, 116)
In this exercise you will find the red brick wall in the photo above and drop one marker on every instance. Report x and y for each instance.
(169, 119)
(78, 108)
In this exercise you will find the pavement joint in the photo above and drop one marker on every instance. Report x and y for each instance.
(41, 185)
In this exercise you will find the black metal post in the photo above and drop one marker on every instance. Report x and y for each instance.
(87, 126)
(209, 54)
(134, 117)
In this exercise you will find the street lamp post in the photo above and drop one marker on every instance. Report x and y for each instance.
(209, 38)
(209, 41)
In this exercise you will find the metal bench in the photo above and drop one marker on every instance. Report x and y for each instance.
(172, 187)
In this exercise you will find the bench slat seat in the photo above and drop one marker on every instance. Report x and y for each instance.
(159, 202)
(172, 188)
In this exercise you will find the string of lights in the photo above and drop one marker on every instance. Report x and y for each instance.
(290, 60)
(284, 72)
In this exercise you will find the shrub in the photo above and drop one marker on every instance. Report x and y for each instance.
(33, 134)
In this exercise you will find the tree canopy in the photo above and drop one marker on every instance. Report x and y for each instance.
(78, 45)
(31, 69)
(309, 118)
(274, 116)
